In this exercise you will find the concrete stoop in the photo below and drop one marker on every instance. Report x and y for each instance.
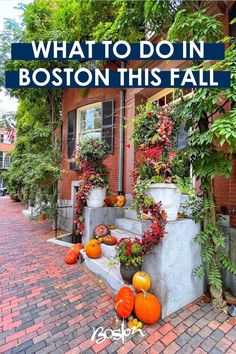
(170, 265)
(107, 267)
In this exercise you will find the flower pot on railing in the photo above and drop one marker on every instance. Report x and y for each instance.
(96, 197)
(169, 195)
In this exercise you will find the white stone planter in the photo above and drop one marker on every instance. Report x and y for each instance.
(96, 197)
(169, 195)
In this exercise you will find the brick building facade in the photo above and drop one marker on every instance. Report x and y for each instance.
(6, 146)
(79, 107)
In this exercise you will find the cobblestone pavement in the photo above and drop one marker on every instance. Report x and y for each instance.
(47, 306)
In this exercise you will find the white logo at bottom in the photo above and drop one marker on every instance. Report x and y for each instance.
(100, 335)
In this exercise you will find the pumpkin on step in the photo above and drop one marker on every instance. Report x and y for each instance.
(124, 302)
(101, 230)
(93, 249)
(120, 200)
(141, 281)
(147, 308)
(108, 240)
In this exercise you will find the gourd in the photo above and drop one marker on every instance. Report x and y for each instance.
(93, 249)
(124, 302)
(120, 200)
(71, 257)
(77, 248)
(108, 240)
(141, 281)
(147, 308)
(101, 230)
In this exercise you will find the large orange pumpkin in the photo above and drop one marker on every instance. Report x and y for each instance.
(77, 247)
(141, 281)
(93, 249)
(124, 302)
(71, 257)
(147, 308)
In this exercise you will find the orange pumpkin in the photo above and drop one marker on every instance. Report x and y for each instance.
(71, 257)
(112, 227)
(120, 200)
(147, 308)
(77, 248)
(141, 281)
(109, 240)
(93, 249)
(109, 200)
(124, 302)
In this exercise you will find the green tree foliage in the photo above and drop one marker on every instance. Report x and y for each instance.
(212, 126)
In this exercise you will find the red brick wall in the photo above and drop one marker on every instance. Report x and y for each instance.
(3, 146)
(73, 99)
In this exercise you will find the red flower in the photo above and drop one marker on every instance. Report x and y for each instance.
(149, 114)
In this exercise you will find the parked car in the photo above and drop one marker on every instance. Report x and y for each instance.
(3, 191)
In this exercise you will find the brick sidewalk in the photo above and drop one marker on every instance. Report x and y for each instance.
(49, 307)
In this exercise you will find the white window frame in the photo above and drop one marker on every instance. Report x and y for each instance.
(78, 119)
(5, 156)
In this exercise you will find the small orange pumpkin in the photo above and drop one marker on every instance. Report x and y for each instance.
(121, 200)
(77, 248)
(147, 308)
(109, 240)
(71, 257)
(93, 249)
(141, 281)
(124, 302)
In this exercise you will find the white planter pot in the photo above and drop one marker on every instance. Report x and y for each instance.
(169, 195)
(96, 197)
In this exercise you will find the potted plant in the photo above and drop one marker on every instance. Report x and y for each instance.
(90, 157)
(157, 160)
(93, 178)
(130, 253)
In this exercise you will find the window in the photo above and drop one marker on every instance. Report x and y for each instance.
(1, 138)
(1, 159)
(169, 97)
(92, 121)
(5, 160)
(89, 122)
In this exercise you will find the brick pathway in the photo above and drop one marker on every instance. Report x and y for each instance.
(49, 307)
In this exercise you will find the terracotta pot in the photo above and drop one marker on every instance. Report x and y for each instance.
(127, 272)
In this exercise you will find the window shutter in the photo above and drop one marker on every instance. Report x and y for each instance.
(108, 124)
(71, 123)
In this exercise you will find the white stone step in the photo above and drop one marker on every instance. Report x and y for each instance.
(121, 233)
(131, 214)
(108, 251)
(110, 273)
(130, 225)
